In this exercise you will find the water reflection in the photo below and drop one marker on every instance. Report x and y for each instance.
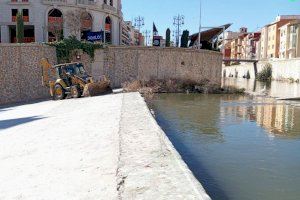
(275, 89)
(237, 146)
(186, 109)
(278, 118)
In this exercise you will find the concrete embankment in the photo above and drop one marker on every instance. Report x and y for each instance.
(107, 147)
(281, 69)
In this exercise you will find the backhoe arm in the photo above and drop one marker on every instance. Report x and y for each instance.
(45, 71)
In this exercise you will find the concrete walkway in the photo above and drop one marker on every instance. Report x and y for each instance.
(107, 147)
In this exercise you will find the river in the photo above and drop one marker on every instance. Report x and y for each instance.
(238, 147)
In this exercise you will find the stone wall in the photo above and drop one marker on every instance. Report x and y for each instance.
(20, 70)
(281, 69)
(21, 73)
(123, 64)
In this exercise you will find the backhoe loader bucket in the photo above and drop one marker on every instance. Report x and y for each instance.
(96, 89)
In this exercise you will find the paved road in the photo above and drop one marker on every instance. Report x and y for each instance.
(97, 148)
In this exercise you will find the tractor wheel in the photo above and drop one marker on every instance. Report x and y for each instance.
(59, 92)
(75, 92)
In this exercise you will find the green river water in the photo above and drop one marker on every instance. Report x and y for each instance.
(238, 147)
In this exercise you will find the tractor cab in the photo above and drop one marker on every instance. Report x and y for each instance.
(67, 72)
(71, 69)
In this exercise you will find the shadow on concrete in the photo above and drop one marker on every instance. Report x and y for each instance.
(8, 106)
(4, 109)
(9, 123)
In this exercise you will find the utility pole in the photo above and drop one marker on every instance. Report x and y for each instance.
(139, 22)
(147, 36)
(200, 26)
(178, 22)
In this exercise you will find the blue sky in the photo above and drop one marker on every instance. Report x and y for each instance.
(249, 13)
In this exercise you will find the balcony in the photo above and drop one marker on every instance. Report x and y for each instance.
(108, 7)
(25, 40)
(19, 2)
(25, 18)
(55, 20)
(56, 2)
(86, 2)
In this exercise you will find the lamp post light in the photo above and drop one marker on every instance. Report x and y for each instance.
(139, 22)
(200, 26)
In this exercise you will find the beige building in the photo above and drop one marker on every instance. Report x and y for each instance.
(49, 20)
(274, 36)
(130, 35)
(126, 33)
(290, 40)
(243, 45)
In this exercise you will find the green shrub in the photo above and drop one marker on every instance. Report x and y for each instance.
(185, 39)
(168, 38)
(266, 74)
(67, 45)
(20, 28)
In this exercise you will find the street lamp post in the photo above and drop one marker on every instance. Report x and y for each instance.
(139, 22)
(147, 36)
(200, 25)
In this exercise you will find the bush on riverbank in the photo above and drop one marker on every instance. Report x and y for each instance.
(65, 47)
(266, 74)
(177, 86)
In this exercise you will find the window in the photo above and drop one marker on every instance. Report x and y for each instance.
(25, 12)
(14, 13)
(109, 2)
(25, 15)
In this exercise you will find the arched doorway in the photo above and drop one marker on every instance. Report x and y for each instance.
(108, 30)
(86, 24)
(55, 25)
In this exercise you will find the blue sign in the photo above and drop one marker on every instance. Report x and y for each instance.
(95, 36)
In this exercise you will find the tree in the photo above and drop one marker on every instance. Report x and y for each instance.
(73, 22)
(185, 39)
(20, 28)
(168, 38)
(56, 28)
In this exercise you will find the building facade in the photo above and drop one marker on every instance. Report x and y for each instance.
(275, 38)
(130, 35)
(290, 40)
(49, 20)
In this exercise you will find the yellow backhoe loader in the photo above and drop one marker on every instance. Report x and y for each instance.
(71, 80)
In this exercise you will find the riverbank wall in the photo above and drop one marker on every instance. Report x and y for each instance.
(126, 64)
(281, 69)
(21, 73)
